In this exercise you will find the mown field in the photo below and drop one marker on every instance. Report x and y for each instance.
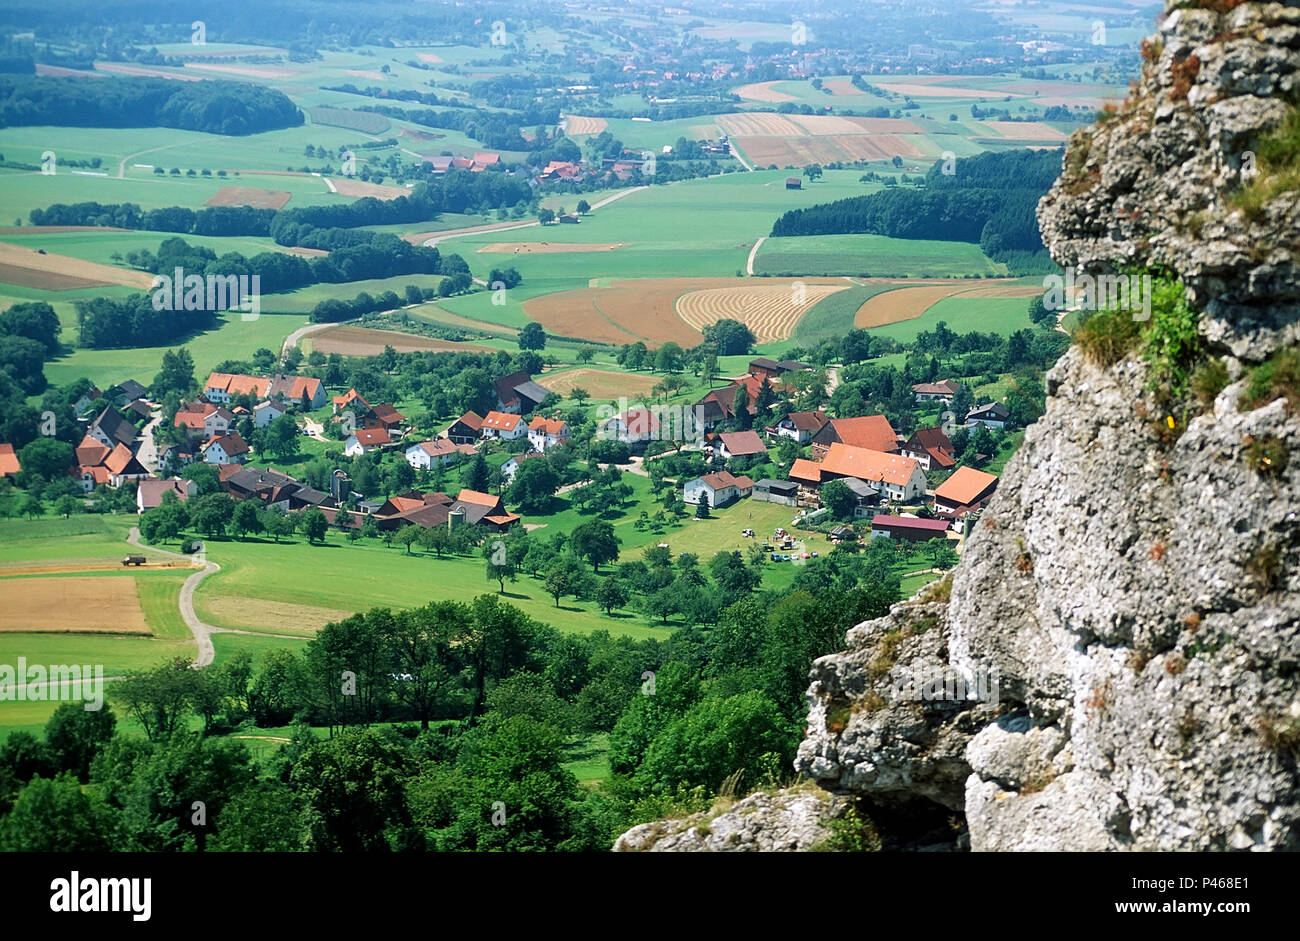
(873, 256)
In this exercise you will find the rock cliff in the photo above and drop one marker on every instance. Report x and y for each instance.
(1133, 590)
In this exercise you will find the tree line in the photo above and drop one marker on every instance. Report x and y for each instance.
(213, 107)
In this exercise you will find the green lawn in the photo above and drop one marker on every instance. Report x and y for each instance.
(1004, 315)
(873, 256)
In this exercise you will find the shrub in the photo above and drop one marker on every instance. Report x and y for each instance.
(1107, 336)
(1278, 377)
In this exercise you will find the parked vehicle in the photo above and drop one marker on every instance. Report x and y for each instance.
(133, 560)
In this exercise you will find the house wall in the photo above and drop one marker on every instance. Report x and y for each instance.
(766, 496)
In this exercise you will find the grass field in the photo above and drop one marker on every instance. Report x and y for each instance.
(1003, 315)
(873, 256)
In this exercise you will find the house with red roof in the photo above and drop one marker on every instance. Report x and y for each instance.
(225, 449)
(930, 447)
(546, 433)
(898, 478)
(721, 488)
(365, 440)
(8, 461)
(504, 425)
(465, 430)
(966, 490)
(873, 432)
(911, 528)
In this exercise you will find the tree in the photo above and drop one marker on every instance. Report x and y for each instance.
(205, 477)
(611, 594)
(585, 355)
(75, 735)
(596, 542)
(282, 437)
(47, 457)
(533, 485)
(532, 336)
(562, 577)
(247, 518)
(499, 564)
(353, 788)
(275, 523)
(159, 698)
(476, 477)
(813, 172)
(407, 536)
(313, 524)
(211, 514)
(66, 505)
(702, 508)
(57, 816)
(176, 374)
(34, 320)
(838, 498)
(545, 216)
(584, 207)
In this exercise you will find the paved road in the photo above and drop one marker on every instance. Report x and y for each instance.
(292, 339)
(202, 632)
(147, 453)
(510, 226)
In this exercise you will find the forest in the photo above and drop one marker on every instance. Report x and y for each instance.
(214, 107)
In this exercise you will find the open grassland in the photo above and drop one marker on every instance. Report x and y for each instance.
(901, 304)
(1003, 315)
(872, 255)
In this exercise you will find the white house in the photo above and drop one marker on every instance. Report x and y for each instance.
(899, 478)
(801, 426)
(150, 491)
(545, 433)
(936, 391)
(993, 415)
(429, 454)
(212, 420)
(503, 425)
(228, 449)
(365, 440)
(722, 488)
(509, 467)
(268, 411)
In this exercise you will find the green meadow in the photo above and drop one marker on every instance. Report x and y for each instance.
(1003, 315)
(873, 256)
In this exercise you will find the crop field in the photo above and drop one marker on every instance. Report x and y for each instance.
(249, 196)
(366, 122)
(962, 313)
(764, 92)
(770, 310)
(267, 615)
(600, 383)
(578, 126)
(357, 189)
(45, 271)
(1026, 131)
(805, 151)
(901, 304)
(108, 605)
(363, 341)
(872, 256)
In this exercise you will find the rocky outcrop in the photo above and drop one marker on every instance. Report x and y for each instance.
(1153, 185)
(1131, 595)
(789, 820)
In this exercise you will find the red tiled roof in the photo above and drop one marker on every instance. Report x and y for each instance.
(806, 470)
(370, 437)
(501, 421)
(549, 426)
(8, 460)
(964, 486)
(909, 522)
(868, 464)
(743, 442)
(872, 432)
(474, 496)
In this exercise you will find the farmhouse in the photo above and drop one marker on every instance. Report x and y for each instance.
(936, 391)
(149, 494)
(907, 527)
(865, 495)
(504, 425)
(518, 393)
(777, 491)
(8, 461)
(266, 485)
(722, 488)
(140, 408)
(204, 417)
(111, 429)
(484, 509)
(636, 427)
(350, 399)
(731, 444)
(466, 429)
(793, 183)
(172, 457)
(763, 368)
(801, 426)
(300, 390)
(385, 416)
(88, 400)
(365, 440)
(900, 478)
(966, 490)
(97, 464)
(221, 387)
(429, 454)
(226, 449)
(993, 415)
(931, 448)
(872, 432)
(720, 404)
(545, 433)
(509, 467)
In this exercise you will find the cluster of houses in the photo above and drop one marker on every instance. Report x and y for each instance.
(880, 467)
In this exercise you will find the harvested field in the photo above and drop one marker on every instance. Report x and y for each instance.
(763, 91)
(301, 252)
(549, 248)
(355, 188)
(626, 310)
(273, 617)
(803, 151)
(418, 135)
(363, 341)
(207, 52)
(439, 315)
(1025, 130)
(364, 121)
(430, 58)
(50, 272)
(61, 72)
(87, 565)
(577, 125)
(824, 124)
(902, 304)
(122, 68)
(842, 86)
(601, 383)
(248, 71)
(249, 196)
(924, 90)
(759, 124)
(770, 310)
(73, 605)
(1005, 290)
(367, 73)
